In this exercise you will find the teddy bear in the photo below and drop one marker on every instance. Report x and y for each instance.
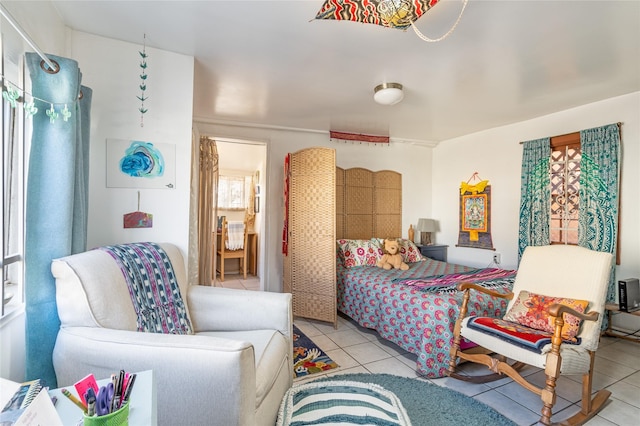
(392, 258)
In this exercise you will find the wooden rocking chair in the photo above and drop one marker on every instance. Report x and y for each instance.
(574, 275)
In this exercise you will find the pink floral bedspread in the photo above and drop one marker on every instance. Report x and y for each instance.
(419, 320)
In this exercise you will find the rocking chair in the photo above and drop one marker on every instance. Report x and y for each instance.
(552, 322)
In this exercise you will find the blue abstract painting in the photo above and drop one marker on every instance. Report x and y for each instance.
(140, 164)
(142, 159)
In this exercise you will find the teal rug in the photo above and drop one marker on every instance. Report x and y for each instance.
(429, 404)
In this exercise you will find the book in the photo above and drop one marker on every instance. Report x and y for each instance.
(28, 402)
(20, 400)
(40, 411)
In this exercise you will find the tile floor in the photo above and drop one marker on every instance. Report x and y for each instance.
(359, 350)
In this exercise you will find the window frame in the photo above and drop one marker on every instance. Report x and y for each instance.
(12, 253)
(570, 140)
(573, 140)
(225, 179)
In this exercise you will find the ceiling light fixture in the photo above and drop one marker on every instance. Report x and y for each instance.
(388, 93)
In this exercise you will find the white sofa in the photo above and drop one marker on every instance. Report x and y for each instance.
(233, 371)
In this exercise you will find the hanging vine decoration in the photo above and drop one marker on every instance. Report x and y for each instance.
(15, 95)
(143, 82)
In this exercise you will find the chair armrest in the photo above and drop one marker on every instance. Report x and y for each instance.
(194, 375)
(215, 308)
(471, 286)
(557, 309)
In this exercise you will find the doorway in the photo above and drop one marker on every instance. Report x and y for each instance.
(248, 160)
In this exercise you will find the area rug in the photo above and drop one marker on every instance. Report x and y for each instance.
(429, 404)
(308, 358)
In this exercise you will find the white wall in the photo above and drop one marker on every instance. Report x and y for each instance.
(496, 155)
(111, 69)
(412, 161)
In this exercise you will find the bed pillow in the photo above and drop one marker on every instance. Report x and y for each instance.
(529, 310)
(408, 250)
(359, 252)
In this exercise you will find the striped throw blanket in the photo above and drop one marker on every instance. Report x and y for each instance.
(235, 240)
(153, 288)
(487, 277)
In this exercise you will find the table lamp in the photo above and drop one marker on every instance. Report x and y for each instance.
(426, 227)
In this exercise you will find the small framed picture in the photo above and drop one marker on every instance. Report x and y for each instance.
(256, 205)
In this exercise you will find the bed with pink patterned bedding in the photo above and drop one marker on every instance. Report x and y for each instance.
(417, 309)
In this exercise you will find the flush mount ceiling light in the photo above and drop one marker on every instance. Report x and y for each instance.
(388, 93)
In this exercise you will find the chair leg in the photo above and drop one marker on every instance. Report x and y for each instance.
(590, 406)
(222, 269)
(552, 371)
(455, 346)
(244, 267)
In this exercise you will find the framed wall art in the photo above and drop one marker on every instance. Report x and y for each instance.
(139, 164)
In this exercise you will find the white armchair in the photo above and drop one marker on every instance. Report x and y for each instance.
(233, 371)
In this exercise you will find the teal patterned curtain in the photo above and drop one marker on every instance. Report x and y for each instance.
(535, 195)
(599, 183)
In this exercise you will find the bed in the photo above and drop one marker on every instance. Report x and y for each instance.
(416, 309)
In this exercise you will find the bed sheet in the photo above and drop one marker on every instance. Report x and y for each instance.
(419, 319)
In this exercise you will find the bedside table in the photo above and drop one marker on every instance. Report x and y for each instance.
(434, 251)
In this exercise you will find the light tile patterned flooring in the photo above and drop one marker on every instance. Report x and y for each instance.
(359, 350)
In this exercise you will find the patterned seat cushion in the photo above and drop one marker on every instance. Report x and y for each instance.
(512, 332)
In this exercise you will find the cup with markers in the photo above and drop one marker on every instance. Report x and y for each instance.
(107, 405)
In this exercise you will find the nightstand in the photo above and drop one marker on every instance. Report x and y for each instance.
(434, 251)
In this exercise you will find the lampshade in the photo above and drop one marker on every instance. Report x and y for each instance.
(426, 225)
(388, 93)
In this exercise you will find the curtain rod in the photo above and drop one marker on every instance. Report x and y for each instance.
(619, 123)
(26, 37)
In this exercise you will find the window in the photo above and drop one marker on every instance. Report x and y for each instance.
(14, 135)
(233, 192)
(564, 176)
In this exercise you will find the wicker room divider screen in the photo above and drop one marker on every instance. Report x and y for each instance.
(368, 204)
(310, 263)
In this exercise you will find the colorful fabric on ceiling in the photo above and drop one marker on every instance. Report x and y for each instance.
(387, 13)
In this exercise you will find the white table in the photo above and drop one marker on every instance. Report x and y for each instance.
(142, 403)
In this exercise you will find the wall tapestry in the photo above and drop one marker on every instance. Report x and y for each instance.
(475, 214)
(138, 164)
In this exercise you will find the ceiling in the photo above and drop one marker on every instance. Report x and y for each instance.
(269, 63)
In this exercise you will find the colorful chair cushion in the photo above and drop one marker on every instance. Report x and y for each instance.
(530, 310)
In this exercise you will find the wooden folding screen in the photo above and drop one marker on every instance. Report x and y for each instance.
(310, 264)
(368, 204)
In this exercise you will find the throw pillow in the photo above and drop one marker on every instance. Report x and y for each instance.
(409, 251)
(530, 310)
(359, 252)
